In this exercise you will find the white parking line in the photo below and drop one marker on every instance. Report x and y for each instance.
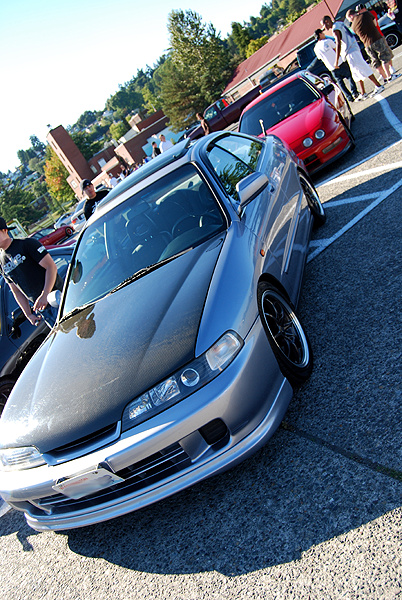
(323, 244)
(389, 115)
(335, 179)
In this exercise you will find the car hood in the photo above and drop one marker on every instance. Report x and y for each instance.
(95, 362)
(300, 124)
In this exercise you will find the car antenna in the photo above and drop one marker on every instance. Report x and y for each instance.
(262, 126)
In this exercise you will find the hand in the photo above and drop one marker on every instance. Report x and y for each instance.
(40, 302)
(34, 319)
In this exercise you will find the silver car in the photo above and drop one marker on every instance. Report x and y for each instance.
(177, 343)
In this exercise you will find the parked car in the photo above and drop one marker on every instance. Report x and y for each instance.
(18, 339)
(78, 217)
(390, 31)
(65, 219)
(49, 236)
(311, 115)
(224, 112)
(177, 342)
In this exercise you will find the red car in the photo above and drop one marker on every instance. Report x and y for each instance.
(49, 236)
(310, 114)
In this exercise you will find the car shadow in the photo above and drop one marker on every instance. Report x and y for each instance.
(292, 495)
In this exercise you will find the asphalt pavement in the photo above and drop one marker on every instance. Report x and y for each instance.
(316, 513)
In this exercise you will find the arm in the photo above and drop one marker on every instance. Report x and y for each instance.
(338, 39)
(24, 304)
(49, 265)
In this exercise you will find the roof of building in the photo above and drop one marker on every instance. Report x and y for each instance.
(283, 43)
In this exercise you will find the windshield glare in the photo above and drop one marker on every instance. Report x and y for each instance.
(175, 213)
(278, 106)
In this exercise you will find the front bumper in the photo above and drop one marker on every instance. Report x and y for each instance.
(249, 399)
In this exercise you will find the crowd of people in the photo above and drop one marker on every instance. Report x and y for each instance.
(338, 49)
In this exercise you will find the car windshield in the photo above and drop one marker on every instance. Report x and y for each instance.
(277, 106)
(160, 221)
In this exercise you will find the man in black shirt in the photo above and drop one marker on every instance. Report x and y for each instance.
(31, 274)
(93, 197)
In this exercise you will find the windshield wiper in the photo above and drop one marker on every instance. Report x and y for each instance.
(146, 270)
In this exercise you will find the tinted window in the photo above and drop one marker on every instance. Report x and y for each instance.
(233, 158)
(170, 216)
(277, 106)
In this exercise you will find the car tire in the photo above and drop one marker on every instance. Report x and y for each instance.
(285, 333)
(6, 385)
(69, 231)
(314, 202)
(393, 39)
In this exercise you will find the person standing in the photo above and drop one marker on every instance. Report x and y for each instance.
(325, 50)
(165, 144)
(93, 197)
(31, 274)
(364, 25)
(112, 180)
(376, 47)
(347, 47)
(155, 150)
(204, 124)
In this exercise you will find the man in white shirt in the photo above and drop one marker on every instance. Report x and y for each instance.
(347, 48)
(325, 50)
(165, 144)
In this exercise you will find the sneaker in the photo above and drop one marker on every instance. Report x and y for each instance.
(377, 90)
(394, 76)
(361, 97)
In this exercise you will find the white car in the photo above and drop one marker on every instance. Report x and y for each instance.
(78, 217)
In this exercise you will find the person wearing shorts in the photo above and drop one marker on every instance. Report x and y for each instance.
(348, 49)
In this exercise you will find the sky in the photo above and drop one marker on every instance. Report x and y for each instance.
(60, 59)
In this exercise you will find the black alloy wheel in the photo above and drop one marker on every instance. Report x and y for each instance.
(313, 201)
(286, 335)
(6, 385)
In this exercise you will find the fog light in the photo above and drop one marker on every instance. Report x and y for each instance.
(190, 377)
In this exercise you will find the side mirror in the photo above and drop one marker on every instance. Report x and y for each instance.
(249, 187)
(54, 298)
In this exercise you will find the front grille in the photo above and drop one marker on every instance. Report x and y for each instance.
(137, 476)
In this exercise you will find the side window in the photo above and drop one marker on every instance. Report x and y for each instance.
(211, 112)
(221, 105)
(246, 150)
(228, 168)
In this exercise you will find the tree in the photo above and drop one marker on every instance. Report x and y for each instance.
(36, 145)
(15, 203)
(241, 38)
(85, 144)
(196, 70)
(117, 130)
(255, 45)
(56, 179)
(36, 165)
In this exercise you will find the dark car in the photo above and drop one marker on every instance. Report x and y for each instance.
(390, 31)
(177, 341)
(19, 340)
(49, 236)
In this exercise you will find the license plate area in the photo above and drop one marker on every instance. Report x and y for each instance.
(84, 484)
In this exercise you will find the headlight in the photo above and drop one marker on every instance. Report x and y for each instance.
(319, 134)
(18, 459)
(184, 382)
(307, 142)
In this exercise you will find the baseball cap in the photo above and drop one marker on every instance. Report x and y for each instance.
(3, 224)
(85, 183)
